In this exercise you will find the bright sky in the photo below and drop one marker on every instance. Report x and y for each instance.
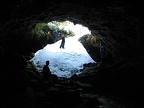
(68, 61)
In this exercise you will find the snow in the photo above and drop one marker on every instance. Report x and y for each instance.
(68, 61)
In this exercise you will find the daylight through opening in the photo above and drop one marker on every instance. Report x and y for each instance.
(67, 60)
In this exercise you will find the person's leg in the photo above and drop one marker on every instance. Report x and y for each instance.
(62, 45)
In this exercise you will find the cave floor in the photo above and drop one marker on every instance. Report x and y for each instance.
(67, 93)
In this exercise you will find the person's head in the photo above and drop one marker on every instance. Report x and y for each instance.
(47, 62)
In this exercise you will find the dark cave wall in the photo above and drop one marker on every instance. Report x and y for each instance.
(114, 23)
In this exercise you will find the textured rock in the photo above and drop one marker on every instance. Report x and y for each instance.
(118, 24)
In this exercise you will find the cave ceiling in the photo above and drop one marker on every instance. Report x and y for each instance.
(113, 22)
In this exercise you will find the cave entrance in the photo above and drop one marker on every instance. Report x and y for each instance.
(67, 61)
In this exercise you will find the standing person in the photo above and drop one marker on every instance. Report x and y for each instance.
(63, 41)
(102, 50)
(55, 35)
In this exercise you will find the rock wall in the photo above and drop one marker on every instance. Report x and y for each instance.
(118, 24)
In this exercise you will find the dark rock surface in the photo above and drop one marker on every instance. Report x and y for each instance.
(115, 82)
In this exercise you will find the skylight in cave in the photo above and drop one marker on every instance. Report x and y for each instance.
(68, 61)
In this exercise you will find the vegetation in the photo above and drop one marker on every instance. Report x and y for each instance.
(54, 25)
(40, 30)
(93, 40)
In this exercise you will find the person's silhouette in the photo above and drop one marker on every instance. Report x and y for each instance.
(62, 42)
(46, 71)
(55, 35)
(102, 50)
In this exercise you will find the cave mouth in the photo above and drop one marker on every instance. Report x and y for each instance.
(70, 60)
(123, 37)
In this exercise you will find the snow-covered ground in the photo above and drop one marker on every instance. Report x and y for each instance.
(68, 61)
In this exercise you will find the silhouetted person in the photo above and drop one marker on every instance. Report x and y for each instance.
(102, 50)
(62, 42)
(47, 73)
(55, 35)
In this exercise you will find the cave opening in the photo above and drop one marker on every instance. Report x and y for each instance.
(69, 60)
(113, 24)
